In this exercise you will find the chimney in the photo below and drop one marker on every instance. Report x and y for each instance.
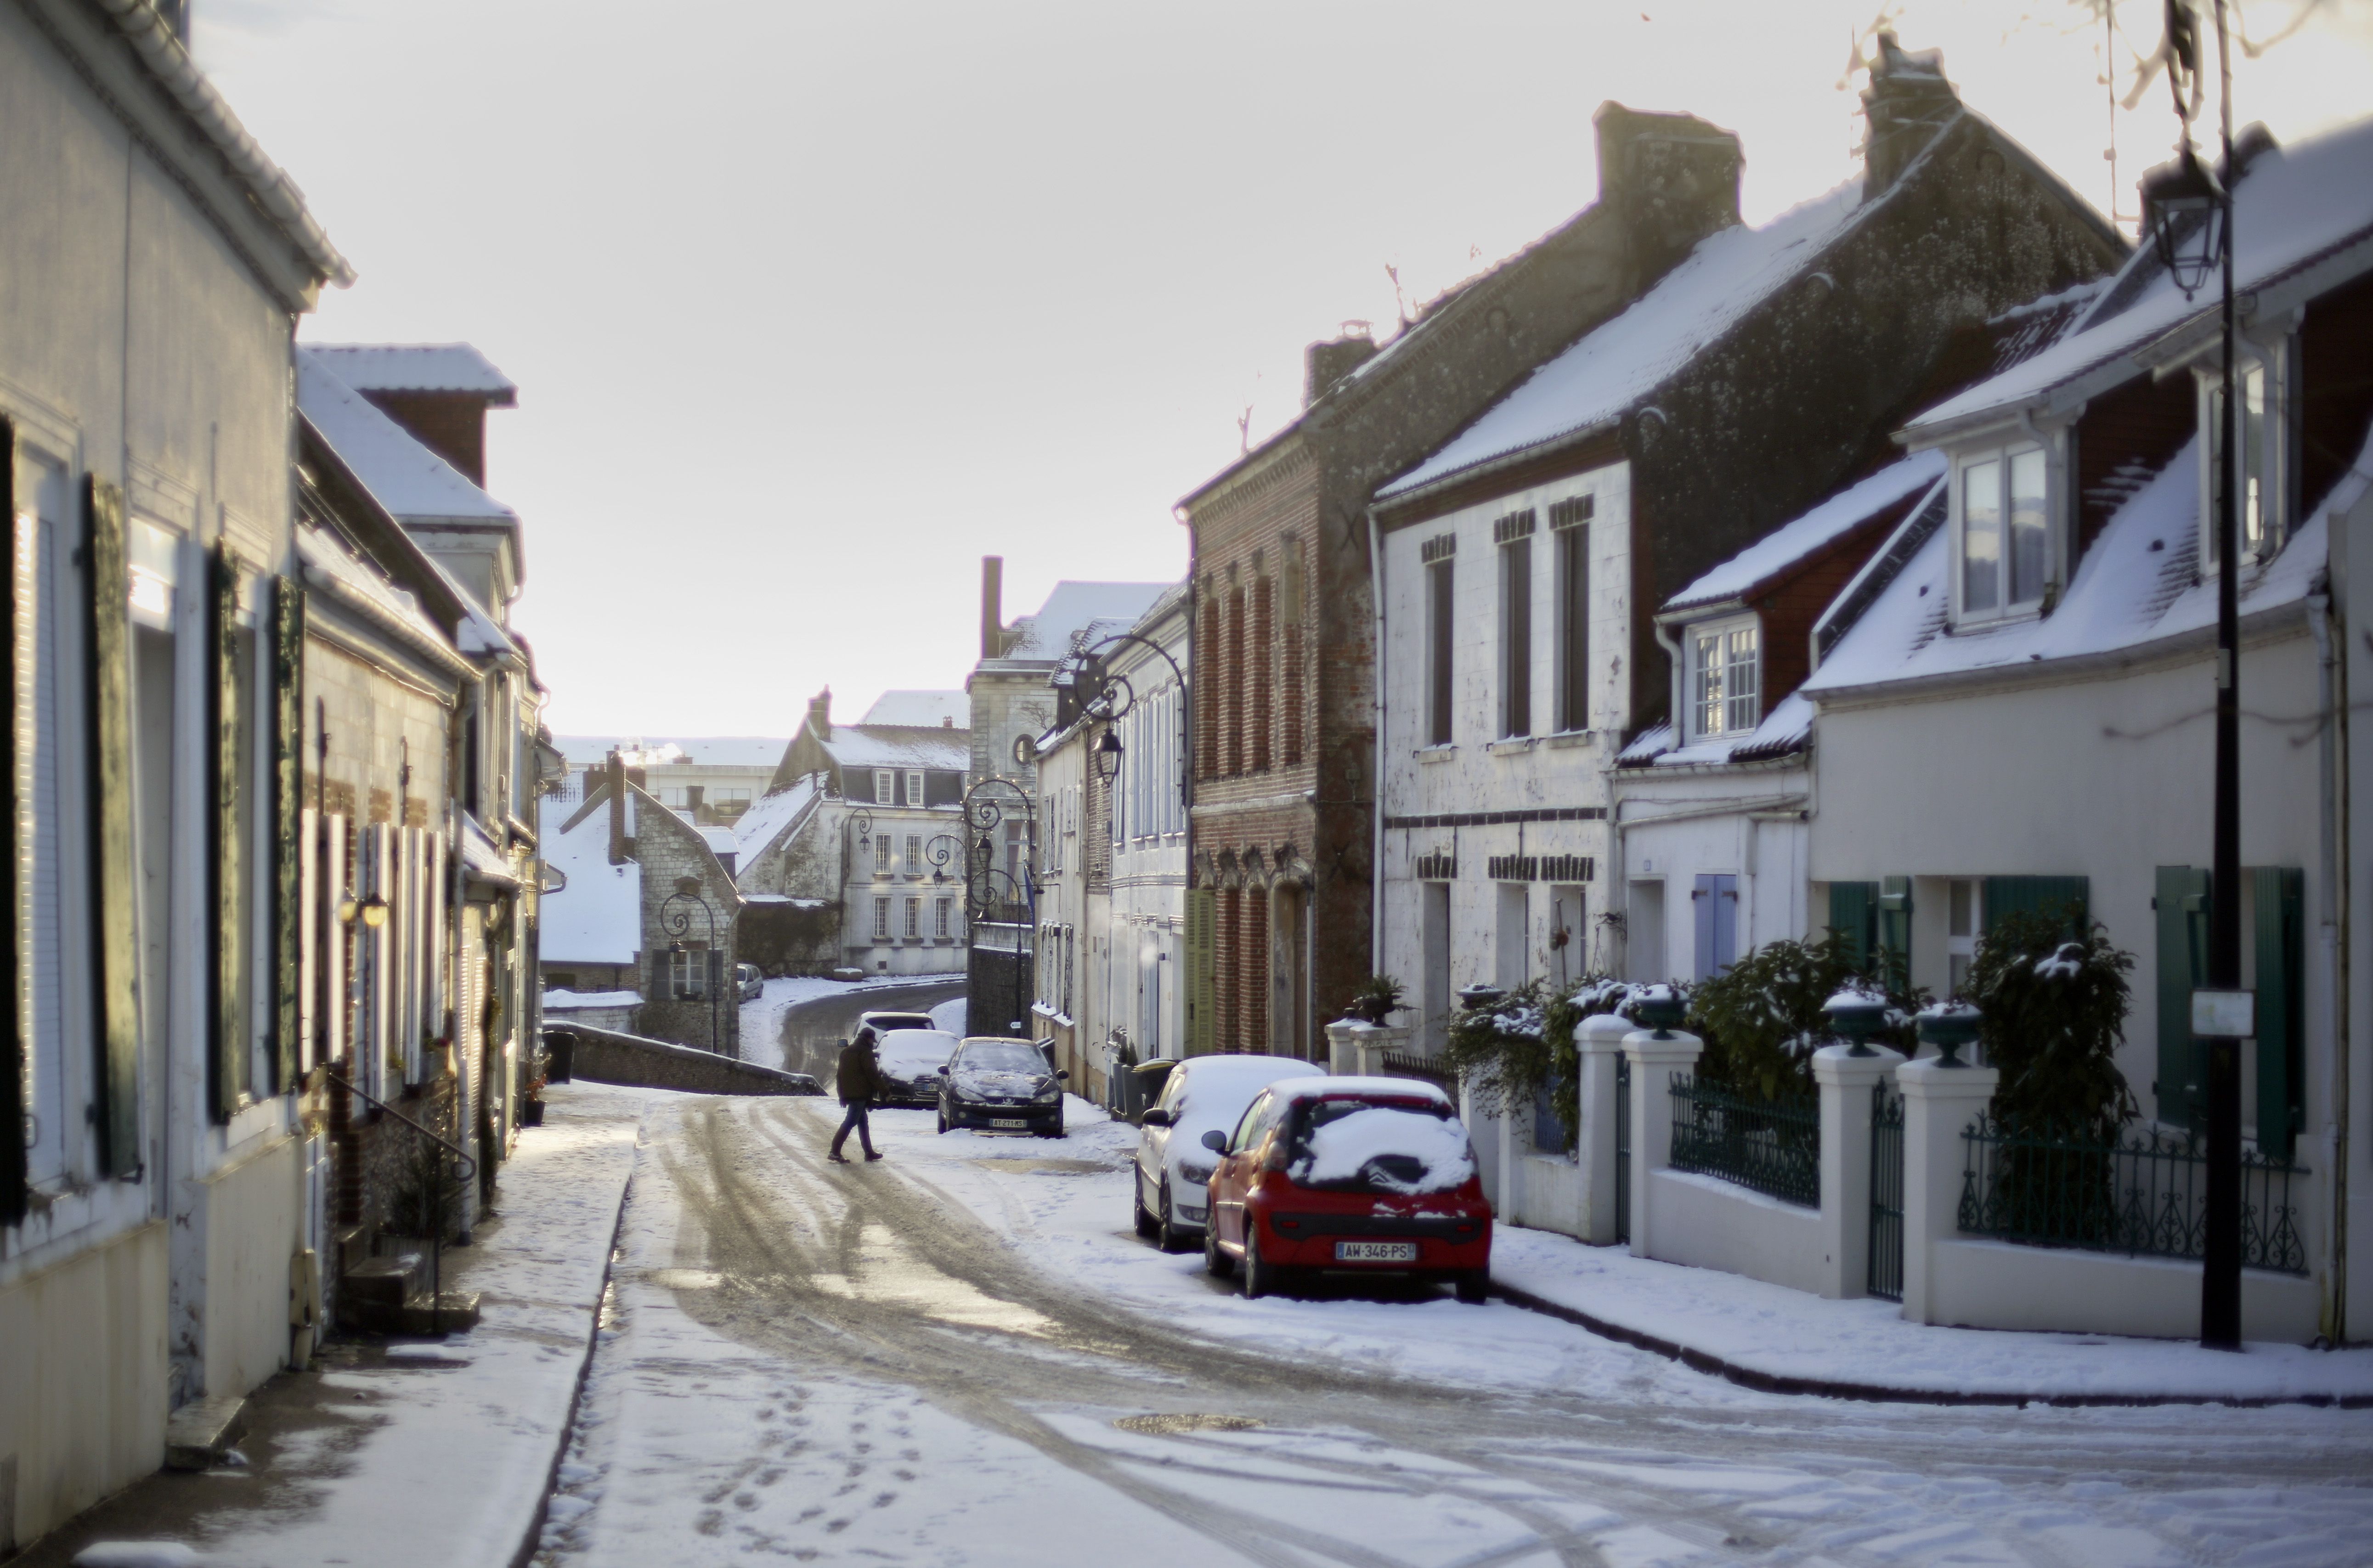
(1673, 179)
(1908, 101)
(820, 714)
(1326, 364)
(992, 606)
(617, 787)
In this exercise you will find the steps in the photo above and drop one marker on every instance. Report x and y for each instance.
(199, 1435)
(389, 1295)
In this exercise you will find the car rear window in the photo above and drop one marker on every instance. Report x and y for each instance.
(1365, 1146)
(998, 1055)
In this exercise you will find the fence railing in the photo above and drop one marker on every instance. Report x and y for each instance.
(2143, 1192)
(1769, 1146)
(1624, 1151)
(1885, 1272)
(1398, 1064)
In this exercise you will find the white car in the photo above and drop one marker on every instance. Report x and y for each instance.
(1203, 1093)
(911, 1062)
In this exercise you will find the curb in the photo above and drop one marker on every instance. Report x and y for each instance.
(533, 1541)
(1877, 1393)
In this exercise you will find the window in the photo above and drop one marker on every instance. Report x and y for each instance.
(2006, 558)
(915, 787)
(1290, 676)
(1232, 664)
(1515, 536)
(914, 858)
(914, 918)
(944, 918)
(1724, 688)
(1263, 658)
(882, 857)
(1439, 559)
(1569, 526)
(1961, 933)
(881, 919)
(2257, 517)
(689, 972)
(886, 787)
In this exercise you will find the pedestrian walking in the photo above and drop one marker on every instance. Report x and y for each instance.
(860, 1082)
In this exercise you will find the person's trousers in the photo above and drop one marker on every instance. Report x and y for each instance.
(856, 1118)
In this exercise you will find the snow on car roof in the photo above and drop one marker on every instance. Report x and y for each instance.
(1355, 1087)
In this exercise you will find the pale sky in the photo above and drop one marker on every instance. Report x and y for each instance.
(811, 307)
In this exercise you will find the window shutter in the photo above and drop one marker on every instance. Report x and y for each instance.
(1894, 927)
(1201, 915)
(288, 824)
(12, 1039)
(2005, 894)
(716, 975)
(2280, 898)
(227, 1061)
(2182, 908)
(113, 883)
(1853, 912)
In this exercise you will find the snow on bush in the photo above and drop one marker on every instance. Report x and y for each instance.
(1388, 1147)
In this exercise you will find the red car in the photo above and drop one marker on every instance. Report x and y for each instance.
(1359, 1176)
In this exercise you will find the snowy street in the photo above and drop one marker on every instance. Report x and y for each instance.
(964, 1354)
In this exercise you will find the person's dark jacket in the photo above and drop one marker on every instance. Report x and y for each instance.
(859, 1077)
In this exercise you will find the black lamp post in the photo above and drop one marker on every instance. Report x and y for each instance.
(2193, 221)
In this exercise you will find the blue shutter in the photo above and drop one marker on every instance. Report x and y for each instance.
(2280, 1005)
(1716, 900)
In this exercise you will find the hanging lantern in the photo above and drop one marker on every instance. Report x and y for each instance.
(2186, 208)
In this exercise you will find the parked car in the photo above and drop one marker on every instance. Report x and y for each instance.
(911, 1060)
(1002, 1085)
(749, 982)
(1360, 1176)
(883, 1023)
(1204, 1094)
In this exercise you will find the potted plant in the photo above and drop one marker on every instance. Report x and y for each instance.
(1377, 999)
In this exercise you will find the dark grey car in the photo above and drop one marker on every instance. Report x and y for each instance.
(1001, 1085)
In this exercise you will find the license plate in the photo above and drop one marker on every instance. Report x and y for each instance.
(1375, 1252)
(1007, 1121)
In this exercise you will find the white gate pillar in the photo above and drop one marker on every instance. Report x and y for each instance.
(1844, 1080)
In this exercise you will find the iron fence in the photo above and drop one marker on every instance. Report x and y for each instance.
(2143, 1192)
(1400, 1065)
(1886, 1277)
(1770, 1146)
(1624, 1151)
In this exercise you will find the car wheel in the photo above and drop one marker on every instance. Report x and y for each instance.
(1474, 1286)
(1171, 1240)
(1260, 1279)
(1148, 1227)
(1216, 1263)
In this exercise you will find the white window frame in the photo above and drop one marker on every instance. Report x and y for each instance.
(914, 918)
(886, 787)
(914, 786)
(1730, 701)
(2269, 364)
(2005, 606)
(914, 854)
(881, 917)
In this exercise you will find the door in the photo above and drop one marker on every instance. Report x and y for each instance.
(1509, 959)
(1716, 899)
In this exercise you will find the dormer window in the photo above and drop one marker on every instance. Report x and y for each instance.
(2262, 516)
(2002, 519)
(1725, 684)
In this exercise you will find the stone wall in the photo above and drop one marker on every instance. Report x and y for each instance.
(671, 850)
(598, 1056)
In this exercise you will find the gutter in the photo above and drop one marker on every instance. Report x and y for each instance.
(1483, 468)
(1376, 763)
(2331, 947)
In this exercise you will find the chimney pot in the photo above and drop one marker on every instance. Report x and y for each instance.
(1908, 102)
(616, 769)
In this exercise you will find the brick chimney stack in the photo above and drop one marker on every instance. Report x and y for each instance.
(1908, 101)
(617, 787)
(1325, 364)
(1672, 178)
(992, 606)
(820, 714)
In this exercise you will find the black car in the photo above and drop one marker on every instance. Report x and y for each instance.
(910, 1060)
(1001, 1086)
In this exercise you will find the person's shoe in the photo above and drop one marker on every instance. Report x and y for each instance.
(871, 1155)
(837, 1158)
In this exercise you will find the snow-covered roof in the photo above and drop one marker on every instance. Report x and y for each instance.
(747, 752)
(560, 999)
(598, 917)
(891, 745)
(1074, 608)
(768, 817)
(2293, 207)
(329, 564)
(921, 710)
(415, 367)
(1724, 278)
(2138, 584)
(410, 482)
(720, 840)
(1783, 731)
(1814, 532)
(482, 857)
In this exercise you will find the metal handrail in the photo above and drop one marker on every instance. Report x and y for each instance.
(436, 1227)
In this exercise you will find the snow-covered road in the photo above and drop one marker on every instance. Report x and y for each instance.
(964, 1354)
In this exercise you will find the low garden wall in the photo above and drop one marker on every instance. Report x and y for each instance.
(602, 1056)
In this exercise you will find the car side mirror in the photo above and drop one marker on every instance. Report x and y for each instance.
(1062, 1075)
(943, 1070)
(1216, 1141)
(1157, 1117)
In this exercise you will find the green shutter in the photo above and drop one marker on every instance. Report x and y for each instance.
(227, 1059)
(2280, 898)
(1853, 910)
(2181, 903)
(2007, 895)
(287, 821)
(116, 996)
(12, 1041)
(1203, 915)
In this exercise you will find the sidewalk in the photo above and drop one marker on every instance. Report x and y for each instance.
(1784, 1342)
(396, 1454)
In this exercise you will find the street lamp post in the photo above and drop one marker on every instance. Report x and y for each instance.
(2192, 214)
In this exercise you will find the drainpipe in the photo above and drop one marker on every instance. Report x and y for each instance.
(2331, 750)
(1376, 769)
